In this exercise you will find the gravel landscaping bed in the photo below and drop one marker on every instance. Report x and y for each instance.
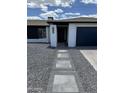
(86, 72)
(39, 65)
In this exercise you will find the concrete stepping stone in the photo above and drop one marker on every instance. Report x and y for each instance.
(62, 50)
(62, 55)
(65, 83)
(65, 64)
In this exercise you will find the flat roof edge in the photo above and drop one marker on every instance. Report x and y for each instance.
(72, 22)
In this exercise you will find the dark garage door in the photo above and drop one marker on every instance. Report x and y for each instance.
(86, 36)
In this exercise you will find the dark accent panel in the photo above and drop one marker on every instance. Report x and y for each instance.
(86, 36)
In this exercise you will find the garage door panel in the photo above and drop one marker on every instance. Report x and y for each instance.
(86, 36)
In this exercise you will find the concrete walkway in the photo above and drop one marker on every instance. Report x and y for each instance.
(64, 77)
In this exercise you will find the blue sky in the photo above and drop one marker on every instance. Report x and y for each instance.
(61, 9)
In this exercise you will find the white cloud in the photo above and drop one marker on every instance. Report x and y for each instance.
(38, 4)
(34, 18)
(44, 8)
(55, 14)
(49, 14)
(59, 11)
(36, 1)
(58, 2)
(32, 5)
(72, 14)
(89, 1)
(91, 15)
(63, 3)
(69, 15)
(76, 16)
(66, 3)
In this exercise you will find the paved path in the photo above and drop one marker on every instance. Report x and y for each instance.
(64, 77)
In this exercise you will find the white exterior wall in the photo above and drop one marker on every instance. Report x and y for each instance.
(38, 40)
(44, 40)
(53, 36)
(72, 35)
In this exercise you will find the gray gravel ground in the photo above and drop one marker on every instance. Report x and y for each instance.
(39, 65)
(86, 72)
(40, 60)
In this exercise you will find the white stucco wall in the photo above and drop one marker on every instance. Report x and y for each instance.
(38, 40)
(72, 35)
(44, 40)
(53, 36)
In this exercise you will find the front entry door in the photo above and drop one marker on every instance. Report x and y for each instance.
(62, 34)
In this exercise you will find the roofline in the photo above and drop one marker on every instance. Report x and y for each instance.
(38, 25)
(89, 20)
(35, 20)
(71, 21)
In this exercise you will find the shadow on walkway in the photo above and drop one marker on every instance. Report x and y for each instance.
(64, 46)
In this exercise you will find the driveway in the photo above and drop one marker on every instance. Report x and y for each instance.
(91, 56)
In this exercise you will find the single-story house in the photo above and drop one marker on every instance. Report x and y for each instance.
(72, 32)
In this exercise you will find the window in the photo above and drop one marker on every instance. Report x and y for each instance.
(42, 32)
(36, 32)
